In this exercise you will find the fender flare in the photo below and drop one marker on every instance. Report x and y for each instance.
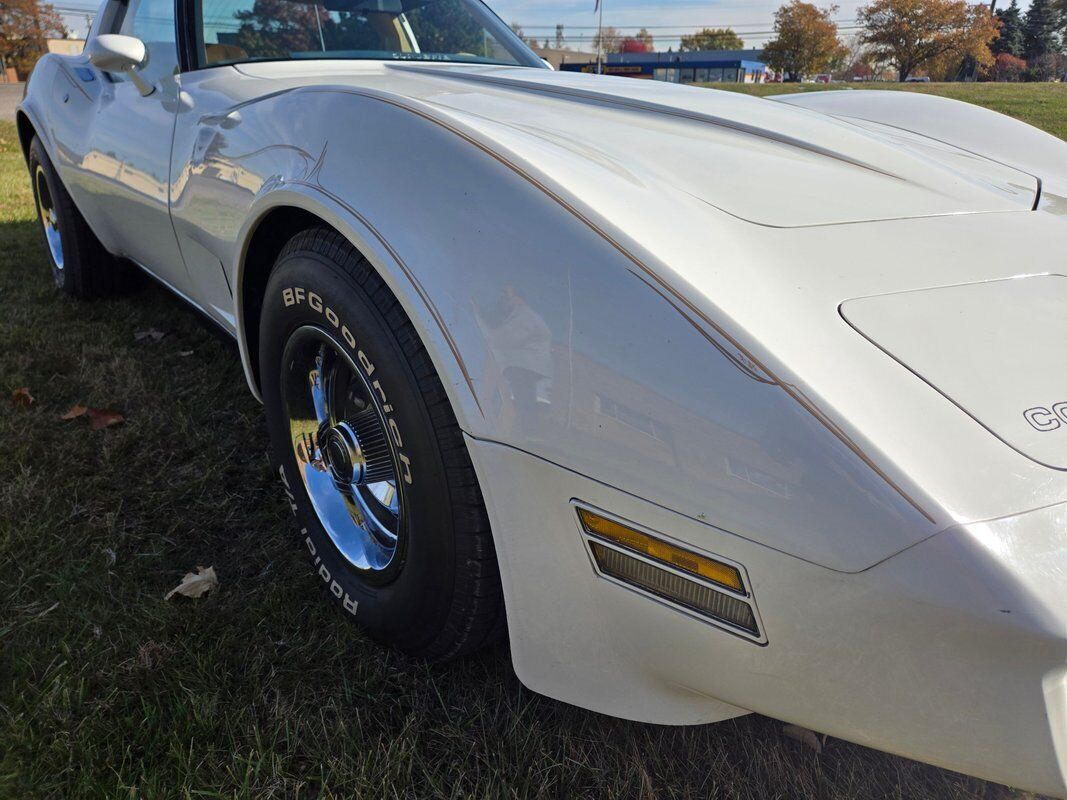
(27, 109)
(401, 280)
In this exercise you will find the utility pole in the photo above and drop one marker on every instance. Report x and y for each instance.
(600, 38)
(973, 72)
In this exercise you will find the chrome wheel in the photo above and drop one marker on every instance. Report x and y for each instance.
(343, 453)
(49, 217)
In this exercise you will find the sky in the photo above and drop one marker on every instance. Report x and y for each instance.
(756, 18)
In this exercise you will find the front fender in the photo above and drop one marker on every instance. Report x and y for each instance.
(550, 334)
(34, 104)
(368, 240)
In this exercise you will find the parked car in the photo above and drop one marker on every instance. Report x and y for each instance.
(719, 405)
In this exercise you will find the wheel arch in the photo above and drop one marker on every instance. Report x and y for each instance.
(31, 113)
(26, 131)
(266, 240)
(274, 220)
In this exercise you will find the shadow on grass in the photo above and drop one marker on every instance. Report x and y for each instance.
(264, 689)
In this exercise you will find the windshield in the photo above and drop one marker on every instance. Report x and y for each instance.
(236, 31)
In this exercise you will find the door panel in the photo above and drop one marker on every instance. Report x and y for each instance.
(129, 165)
(115, 146)
(72, 110)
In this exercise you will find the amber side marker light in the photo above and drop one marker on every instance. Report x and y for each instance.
(696, 593)
(701, 566)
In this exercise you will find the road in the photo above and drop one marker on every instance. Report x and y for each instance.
(10, 96)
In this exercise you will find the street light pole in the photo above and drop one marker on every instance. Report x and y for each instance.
(600, 37)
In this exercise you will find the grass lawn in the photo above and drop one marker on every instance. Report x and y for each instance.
(1040, 104)
(263, 689)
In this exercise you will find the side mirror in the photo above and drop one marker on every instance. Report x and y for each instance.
(113, 52)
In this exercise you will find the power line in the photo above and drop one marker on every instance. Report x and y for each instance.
(662, 27)
(76, 9)
(669, 34)
(676, 38)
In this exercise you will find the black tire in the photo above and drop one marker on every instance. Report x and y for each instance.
(441, 598)
(87, 270)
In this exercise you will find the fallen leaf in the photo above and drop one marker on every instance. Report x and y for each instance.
(195, 584)
(151, 653)
(185, 353)
(22, 397)
(804, 736)
(151, 333)
(75, 411)
(149, 656)
(100, 418)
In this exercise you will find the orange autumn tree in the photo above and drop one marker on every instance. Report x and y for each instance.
(914, 33)
(24, 26)
(805, 42)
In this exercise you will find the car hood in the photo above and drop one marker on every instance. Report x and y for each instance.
(767, 163)
(994, 348)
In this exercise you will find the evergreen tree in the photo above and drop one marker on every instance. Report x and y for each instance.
(1039, 30)
(1011, 31)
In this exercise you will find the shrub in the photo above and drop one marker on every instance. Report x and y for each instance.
(1009, 68)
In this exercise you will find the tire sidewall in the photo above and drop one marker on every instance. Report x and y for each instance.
(310, 289)
(39, 158)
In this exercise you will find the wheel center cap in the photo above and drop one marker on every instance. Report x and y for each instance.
(342, 454)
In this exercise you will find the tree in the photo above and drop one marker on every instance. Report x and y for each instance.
(912, 33)
(1043, 68)
(24, 26)
(1008, 68)
(712, 39)
(631, 44)
(857, 61)
(1060, 7)
(609, 38)
(516, 28)
(1039, 30)
(440, 27)
(646, 37)
(806, 40)
(1011, 31)
(275, 28)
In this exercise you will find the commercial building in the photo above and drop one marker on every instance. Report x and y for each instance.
(709, 66)
(65, 47)
(557, 57)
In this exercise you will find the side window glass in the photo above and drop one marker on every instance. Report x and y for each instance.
(152, 21)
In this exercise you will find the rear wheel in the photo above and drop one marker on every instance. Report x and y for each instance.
(80, 265)
(372, 457)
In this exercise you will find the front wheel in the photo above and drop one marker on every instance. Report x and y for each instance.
(373, 459)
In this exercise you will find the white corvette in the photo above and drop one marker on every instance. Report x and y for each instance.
(733, 405)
